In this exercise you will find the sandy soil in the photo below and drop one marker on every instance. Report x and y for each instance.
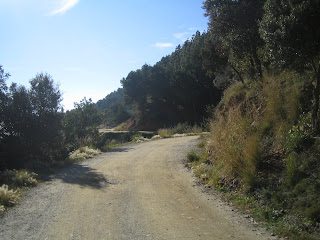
(140, 191)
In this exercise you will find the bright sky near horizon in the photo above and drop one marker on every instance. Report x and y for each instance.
(88, 46)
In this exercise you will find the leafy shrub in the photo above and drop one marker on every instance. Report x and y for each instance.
(8, 197)
(193, 157)
(109, 144)
(182, 128)
(186, 128)
(300, 134)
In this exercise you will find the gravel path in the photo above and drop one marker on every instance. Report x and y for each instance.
(140, 191)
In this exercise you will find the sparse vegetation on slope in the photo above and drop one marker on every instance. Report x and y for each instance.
(262, 148)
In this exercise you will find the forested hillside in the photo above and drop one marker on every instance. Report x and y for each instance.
(114, 108)
(176, 89)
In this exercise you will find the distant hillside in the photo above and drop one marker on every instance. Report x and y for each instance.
(112, 98)
(177, 89)
(114, 109)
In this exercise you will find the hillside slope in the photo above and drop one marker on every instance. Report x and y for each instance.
(264, 151)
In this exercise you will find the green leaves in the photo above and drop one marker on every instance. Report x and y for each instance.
(234, 25)
(80, 124)
(176, 89)
(291, 33)
(31, 121)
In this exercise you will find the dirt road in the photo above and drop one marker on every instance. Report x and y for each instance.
(140, 191)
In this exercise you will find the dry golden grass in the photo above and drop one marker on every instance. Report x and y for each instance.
(8, 197)
(249, 114)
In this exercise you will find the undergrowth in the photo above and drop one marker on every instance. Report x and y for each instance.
(83, 153)
(263, 154)
(13, 183)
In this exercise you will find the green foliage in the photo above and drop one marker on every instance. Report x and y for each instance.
(18, 178)
(176, 89)
(235, 29)
(110, 144)
(290, 31)
(3, 101)
(80, 124)
(300, 135)
(178, 130)
(201, 167)
(32, 125)
(193, 157)
(110, 140)
(182, 128)
(114, 109)
(116, 114)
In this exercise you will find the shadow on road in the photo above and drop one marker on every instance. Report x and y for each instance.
(83, 176)
(120, 149)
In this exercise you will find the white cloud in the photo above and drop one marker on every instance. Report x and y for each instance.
(164, 45)
(183, 35)
(64, 6)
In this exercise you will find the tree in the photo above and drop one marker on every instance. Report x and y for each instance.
(117, 114)
(45, 99)
(235, 24)
(291, 31)
(81, 122)
(216, 63)
(3, 101)
(44, 95)
(176, 89)
(114, 109)
(32, 123)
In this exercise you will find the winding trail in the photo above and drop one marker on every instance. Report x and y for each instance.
(139, 191)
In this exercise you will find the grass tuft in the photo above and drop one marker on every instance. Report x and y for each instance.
(165, 132)
(8, 197)
(18, 178)
(83, 153)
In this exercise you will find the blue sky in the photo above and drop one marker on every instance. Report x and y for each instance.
(88, 46)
